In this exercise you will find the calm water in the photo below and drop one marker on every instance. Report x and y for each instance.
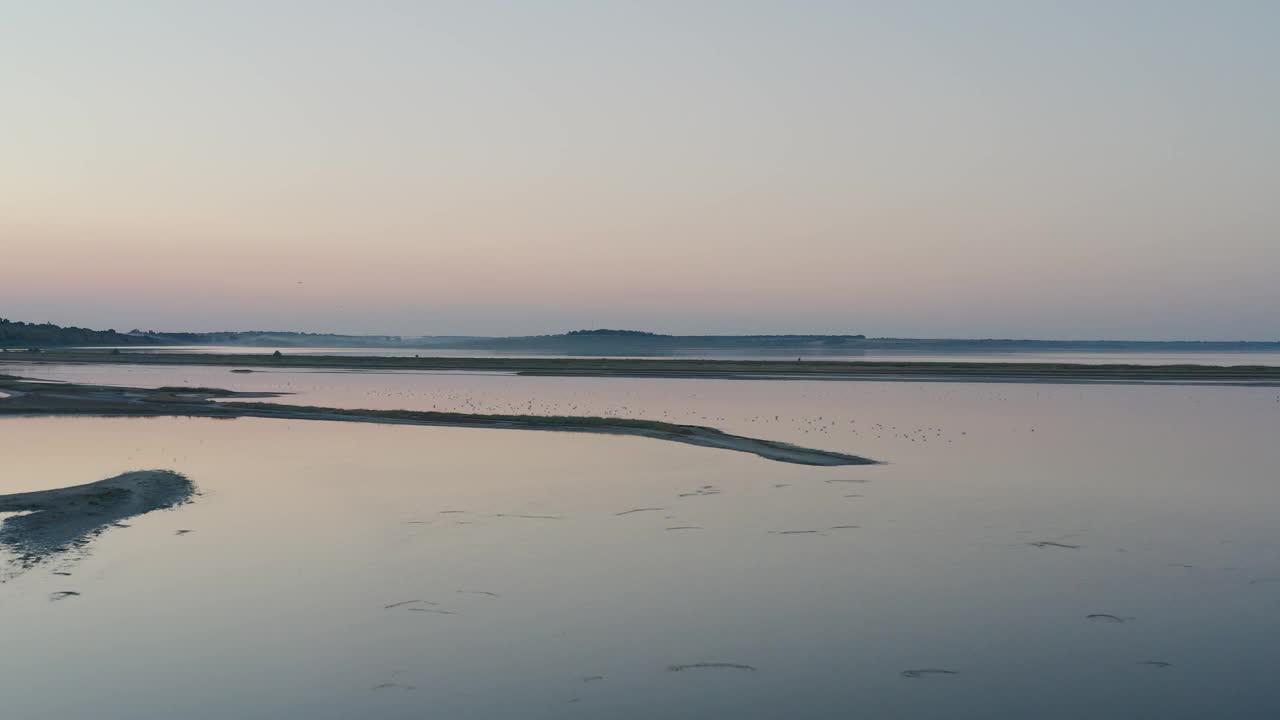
(274, 604)
(1139, 358)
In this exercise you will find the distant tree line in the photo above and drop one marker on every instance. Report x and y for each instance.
(613, 333)
(32, 335)
(268, 337)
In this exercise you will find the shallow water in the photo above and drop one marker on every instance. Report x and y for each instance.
(274, 604)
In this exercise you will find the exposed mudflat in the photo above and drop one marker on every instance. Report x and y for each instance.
(33, 399)
(65, 519)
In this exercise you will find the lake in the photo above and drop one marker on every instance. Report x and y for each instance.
(338, 570)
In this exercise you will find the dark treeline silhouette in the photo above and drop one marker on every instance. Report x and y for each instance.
(268, 338)
(613, 333)
(32, 335)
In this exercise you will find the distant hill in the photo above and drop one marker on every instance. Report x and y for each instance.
(30, 335)
(612, 333)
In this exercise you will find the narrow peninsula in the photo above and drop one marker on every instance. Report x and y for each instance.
(33, 398)
(798, 369)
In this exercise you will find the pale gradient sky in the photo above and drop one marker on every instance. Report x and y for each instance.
(1011, 169)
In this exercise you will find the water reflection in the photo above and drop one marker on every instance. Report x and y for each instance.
(337, 570)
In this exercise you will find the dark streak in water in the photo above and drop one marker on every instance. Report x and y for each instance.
(408, 602)
(926, 672)
(1105, 617)
(699, 666)
(702, 491)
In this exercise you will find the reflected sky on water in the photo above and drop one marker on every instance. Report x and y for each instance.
(1006, 516)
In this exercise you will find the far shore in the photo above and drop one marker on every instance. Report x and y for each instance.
(800, 369)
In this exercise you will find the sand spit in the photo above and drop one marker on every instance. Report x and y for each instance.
(687, 434)
(845, 370)
(33, 399)
(66, 519)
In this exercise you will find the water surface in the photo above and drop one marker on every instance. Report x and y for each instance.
(274, 604)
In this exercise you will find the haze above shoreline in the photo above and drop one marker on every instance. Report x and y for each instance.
(603, 342)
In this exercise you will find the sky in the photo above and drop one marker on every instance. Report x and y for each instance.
(1028, 169)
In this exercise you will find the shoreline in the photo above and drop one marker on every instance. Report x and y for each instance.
(37, 399)
(826, 370)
